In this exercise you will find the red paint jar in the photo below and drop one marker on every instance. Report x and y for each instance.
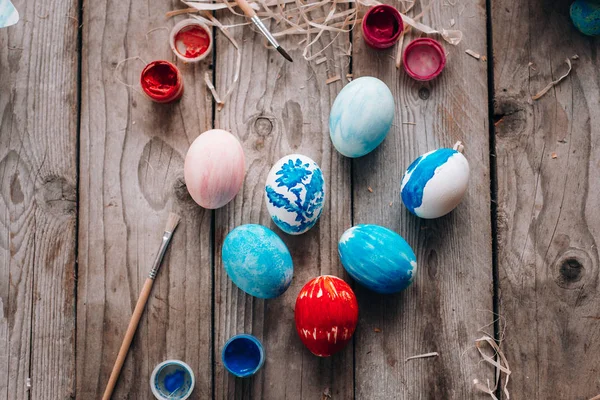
(161, 82)
(424, 59)
(382, 26)
(191, 40)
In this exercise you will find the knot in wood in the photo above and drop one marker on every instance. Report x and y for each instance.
(57, 196)
(263, 126)
(424, 93)
(570, 268)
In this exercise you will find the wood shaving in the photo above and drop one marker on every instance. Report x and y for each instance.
(377, 330)
(473, 54)
(553, 83)
(370, 189)
(575, 57)
(391, 202)
(554, 155)
(483, 58)
(326, 394)
(333, 79)
(426, 355)
(596, 397)
(349, 77)
(321, 60)
(499, 363)
(452, 22)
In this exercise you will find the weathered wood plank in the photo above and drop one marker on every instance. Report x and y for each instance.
(442, 310)
(132, 154)
(547, 158)
(280, 108)
(38, 178)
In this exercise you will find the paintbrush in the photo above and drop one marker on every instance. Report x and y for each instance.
(250, 13)
(141, 304)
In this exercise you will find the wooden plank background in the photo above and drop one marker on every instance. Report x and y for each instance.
(89, 170)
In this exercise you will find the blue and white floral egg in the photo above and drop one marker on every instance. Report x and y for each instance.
(361, 116)
(295, 193)
(435, 183)
(378, 258)
(257, 261)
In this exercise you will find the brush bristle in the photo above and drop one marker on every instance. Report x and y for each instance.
(172, 222)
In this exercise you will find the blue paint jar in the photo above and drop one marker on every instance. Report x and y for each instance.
(172, 380)
(243, 355)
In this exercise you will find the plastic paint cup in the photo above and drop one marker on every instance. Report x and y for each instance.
(172, 380)
(424, 59)
(243, 355)
(161, 82)
(191, 40)
(382, 26)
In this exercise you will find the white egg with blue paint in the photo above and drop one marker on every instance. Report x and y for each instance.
(257, 261)
(361, 116)
(435, 183)
(295, 193)
(377, 258)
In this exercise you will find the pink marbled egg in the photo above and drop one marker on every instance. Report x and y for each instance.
(214, 168)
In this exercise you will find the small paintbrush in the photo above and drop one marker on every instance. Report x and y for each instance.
(141, 304)
(250, 13)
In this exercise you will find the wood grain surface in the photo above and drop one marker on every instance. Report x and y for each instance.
(131, 164)
(38, 201)
(451, 298)
(280, 108)
(548, 160)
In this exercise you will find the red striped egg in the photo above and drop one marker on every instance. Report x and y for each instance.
(326, 314)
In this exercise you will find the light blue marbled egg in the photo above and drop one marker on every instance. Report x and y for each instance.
(586, 16)
(295, 193)
(435, 183)
(378, 258)
(257, 261)
(361, 116)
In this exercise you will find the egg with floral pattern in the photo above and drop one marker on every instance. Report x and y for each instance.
(295, 193)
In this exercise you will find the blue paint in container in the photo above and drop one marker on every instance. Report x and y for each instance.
(172, 380)
(243, 355)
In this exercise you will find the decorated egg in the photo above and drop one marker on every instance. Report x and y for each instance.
(435, 183)
(295, 193)
(214, 168)
(257, 261)
(326, 315)
(361, 116)
(585, 15)
(377, 258)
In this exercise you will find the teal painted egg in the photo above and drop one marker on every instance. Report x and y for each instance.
(361, 116)
(586, 16)
(377, 258)
(257, 261)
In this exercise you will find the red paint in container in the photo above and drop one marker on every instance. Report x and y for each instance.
(382, 26)
(191, 40)
(161, 81)
(424, 59)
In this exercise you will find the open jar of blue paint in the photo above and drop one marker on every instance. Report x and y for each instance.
(172, 380)
(243, 355)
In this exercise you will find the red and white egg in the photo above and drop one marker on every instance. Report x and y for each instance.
(326, 315)
(214, 168)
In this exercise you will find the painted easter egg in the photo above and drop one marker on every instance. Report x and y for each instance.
(361, 116)
(326, 315)
(214, 168)
(295, 193)
(586, 16)
(257, 261)
(377, 258)
(435, 183)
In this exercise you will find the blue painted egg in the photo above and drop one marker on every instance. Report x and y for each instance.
(378, 258)
(295, 193)
(435, 183)
(361, 116)
(257, 261)
(586, 16)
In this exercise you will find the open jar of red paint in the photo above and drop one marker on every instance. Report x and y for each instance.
(382, 26)
(424, 59)
(191, 40)
(161, 82)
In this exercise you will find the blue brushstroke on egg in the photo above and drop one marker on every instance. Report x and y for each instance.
(361, 116)
(422, 170)
(586, 17)
(257, 261)
(296, 176)
(377, 258)
(243, 355)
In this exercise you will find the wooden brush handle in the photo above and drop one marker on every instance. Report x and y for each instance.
(249, 11)
(133, 323)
